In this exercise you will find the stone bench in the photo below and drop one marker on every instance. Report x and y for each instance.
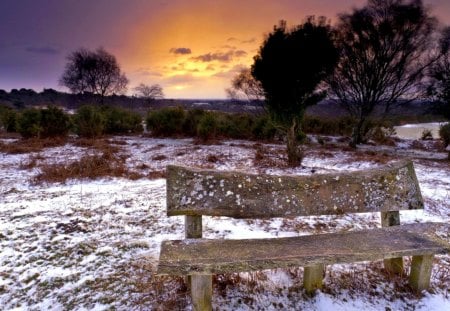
(196, 193)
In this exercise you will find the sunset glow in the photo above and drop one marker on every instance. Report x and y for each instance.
(192, 48)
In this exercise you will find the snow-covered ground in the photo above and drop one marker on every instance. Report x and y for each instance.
(94, 244)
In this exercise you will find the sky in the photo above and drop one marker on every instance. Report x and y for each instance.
(192, 48)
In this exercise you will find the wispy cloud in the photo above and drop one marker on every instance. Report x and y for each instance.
(219, 56)
(180, 51)
(43, 50)
(228, 74)
(148, 72)
(246, 41)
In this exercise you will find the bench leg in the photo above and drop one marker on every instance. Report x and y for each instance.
(419, 278)
(201, 292)
(392, 265)
(313, 278)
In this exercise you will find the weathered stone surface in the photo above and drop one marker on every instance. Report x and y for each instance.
(201, 256)
(421, 266)
(201, 292)
(241, 195)
(392, 265)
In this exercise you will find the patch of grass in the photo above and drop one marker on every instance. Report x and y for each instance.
(23, 146)
(32, 162)
(106, 164)
(159, 157)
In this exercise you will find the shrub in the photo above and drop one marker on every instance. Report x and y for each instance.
(328, 126)
(54, 122)
(89, 122)
(166, 121)
(426, 135)
(444, 133)
(207, 126)
(122, 121)
(263, 128)
(29, 123)
(191, 121)
(8, 119)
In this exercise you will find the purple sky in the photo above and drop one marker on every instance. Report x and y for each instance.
(192, 48)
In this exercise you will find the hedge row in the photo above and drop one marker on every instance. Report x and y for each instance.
(206, 125)
(88, 121)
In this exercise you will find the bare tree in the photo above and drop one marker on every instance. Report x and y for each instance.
(96, 72)
(439, 87)
(245, 87)
(385, 49)
(149, 92)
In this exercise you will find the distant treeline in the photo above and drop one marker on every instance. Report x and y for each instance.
(26, 98)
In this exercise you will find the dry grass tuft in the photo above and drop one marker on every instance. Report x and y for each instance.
(157, 174)
(88, 167)
(32, 162)
(101, 145)
(22, 146)
(159, 157)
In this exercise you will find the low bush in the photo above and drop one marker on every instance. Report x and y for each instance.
(29, 123)
(122, 121)
(8, 119)
(54, 122)
(328, 126)
(191, 121)
(444, 133)
(166, 122)
(426, 135)
(207, 128)
(89, 122)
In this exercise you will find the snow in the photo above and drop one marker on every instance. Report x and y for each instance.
(94, 244)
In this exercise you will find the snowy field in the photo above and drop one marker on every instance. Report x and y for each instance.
(94, 244)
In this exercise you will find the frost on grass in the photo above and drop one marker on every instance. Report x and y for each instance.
(94, 244)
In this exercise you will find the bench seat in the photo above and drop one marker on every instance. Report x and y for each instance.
(204, 256)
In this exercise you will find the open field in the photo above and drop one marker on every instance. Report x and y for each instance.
(93, 244)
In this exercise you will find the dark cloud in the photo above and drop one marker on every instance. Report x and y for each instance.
(180, 51)
(209, 57)
(43, 50)
(219, 56)
(240, 53)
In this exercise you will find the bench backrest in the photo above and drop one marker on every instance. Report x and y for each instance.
(196, 192)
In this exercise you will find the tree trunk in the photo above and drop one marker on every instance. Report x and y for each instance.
(357, 133)
(295, 154)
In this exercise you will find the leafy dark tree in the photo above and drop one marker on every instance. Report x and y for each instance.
(245, 87)
(149, 92)
(96, 72)
(385, 50)
(290, 65)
